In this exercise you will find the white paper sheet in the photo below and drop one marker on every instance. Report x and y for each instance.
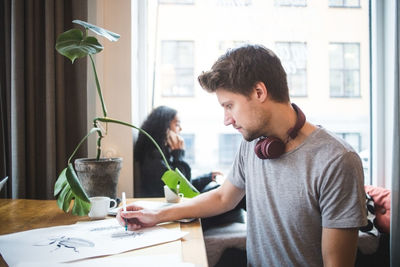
(78, 241)
(142, 261)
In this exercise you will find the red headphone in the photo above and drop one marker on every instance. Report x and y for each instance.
(273, 147)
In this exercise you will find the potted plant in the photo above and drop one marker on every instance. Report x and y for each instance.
(75, 44)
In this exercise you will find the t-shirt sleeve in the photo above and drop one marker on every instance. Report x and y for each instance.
(236, 174)
(342, 195)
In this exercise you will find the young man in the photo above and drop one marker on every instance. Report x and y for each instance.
(304, 186)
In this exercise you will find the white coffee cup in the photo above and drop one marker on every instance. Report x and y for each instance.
(100, 207)
(171, 196)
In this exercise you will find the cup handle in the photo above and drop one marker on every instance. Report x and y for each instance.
(114, 203)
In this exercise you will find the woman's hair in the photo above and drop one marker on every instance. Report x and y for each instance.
(156, 124)
(240, 69)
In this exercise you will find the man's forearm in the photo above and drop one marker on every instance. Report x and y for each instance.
(204, 205)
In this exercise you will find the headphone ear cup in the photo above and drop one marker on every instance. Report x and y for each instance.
(269, 148)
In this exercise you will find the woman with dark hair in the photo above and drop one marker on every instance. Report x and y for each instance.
(163, 125)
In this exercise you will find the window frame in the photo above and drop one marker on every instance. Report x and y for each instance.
(344, 70)
(289, 75)
(381, 104)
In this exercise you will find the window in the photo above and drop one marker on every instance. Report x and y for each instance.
(293, 56)
(177, 77)
(344, 62)
(228, 146)
(291, 2)
(225, 45)
(189, 148)
(326, 77)
(233, 3)
(344, 3)
(354, 139)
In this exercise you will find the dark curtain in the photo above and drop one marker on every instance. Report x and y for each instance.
(395, 209)
(43, 96)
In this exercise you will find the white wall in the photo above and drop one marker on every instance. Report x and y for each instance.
(114, 71)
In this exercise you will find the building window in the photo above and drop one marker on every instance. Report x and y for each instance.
(189, 148)
(177, 74)
(228, 146)
(344, 62)
(344, 3)
(298, 3)
(293, 56)
(233, 3)
(354, 139)
(177, 2)
(223, 46)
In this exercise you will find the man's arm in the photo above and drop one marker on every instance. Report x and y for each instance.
(339, 246)
(211, 203)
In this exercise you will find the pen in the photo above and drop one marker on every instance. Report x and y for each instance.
(124, 209)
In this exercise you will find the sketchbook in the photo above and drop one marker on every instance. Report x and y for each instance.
(78, 241)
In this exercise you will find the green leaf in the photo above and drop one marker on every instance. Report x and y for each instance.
(112, 36)
(67, 201)
(61, 201)
(67, 188)
(75, 184)
(80, 207)
(173, 178)
(60, 183)
(73, 45)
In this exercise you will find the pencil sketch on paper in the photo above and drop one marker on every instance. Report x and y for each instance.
(125, 234)
(78, 241)
(66, 242)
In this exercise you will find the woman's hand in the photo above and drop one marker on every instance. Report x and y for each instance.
(215, 174)
(175, 141)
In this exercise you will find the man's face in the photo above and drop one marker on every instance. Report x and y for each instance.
(242, 113)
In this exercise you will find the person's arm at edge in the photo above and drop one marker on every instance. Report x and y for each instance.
(339, 246)
(217, 201)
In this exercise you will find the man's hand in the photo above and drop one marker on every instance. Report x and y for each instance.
(174, 140)
(137, 217)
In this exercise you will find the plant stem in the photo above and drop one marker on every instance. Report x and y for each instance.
(140, 130)
(83, 139)
(103, 105)
(100, 136)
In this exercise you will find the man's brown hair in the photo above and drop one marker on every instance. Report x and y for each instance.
(240, 69)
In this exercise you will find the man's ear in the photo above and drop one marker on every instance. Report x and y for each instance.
(260, 91)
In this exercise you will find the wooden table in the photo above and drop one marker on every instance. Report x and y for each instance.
(22, 214)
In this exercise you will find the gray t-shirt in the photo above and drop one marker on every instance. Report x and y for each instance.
(289, 199)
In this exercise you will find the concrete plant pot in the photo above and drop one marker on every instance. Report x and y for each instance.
(99, 177)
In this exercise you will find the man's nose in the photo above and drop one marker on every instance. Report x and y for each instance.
(228, 120)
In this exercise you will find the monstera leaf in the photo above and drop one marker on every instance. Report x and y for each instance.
(174, 178)
(74, 44)
(112, 36)
(68, 188)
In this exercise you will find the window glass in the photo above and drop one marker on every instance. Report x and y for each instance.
(177, 68)
(293, 56)
(291, 2)
(326, 77)
(190, 155)
(233, 3)
(344, 3)
(228, 146)
(344, 69)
